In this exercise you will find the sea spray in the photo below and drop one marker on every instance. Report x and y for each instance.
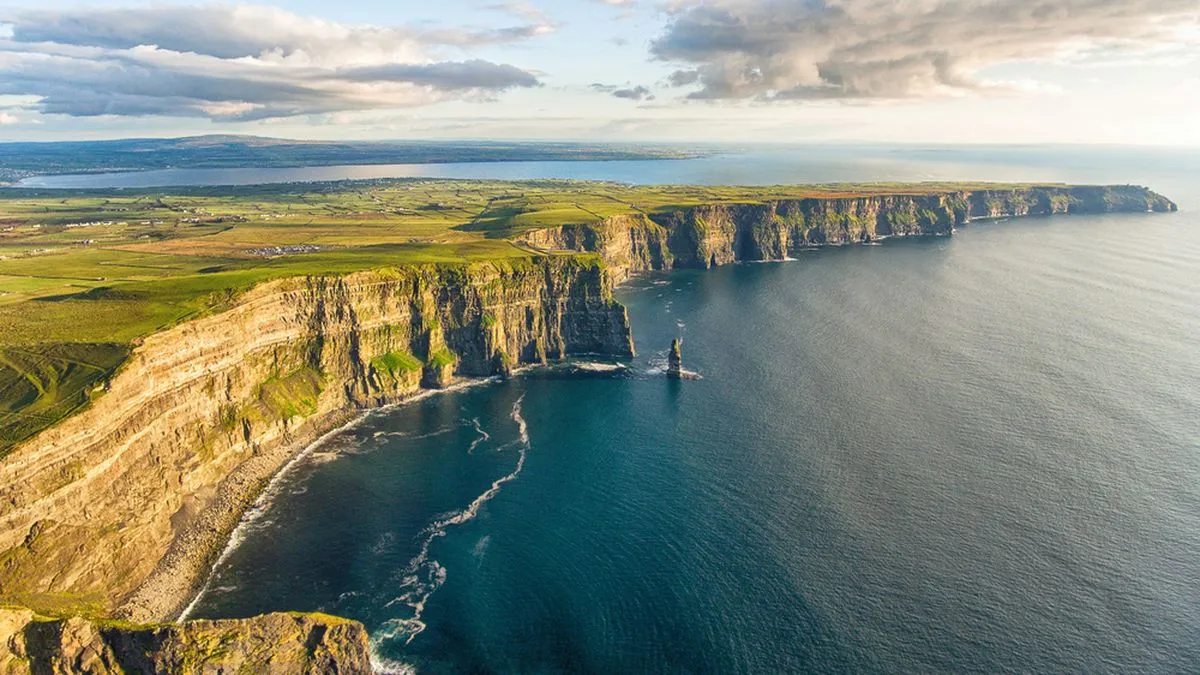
(423, 575)
(483, 436)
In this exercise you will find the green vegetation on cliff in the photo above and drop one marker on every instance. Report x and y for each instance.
(85, 275)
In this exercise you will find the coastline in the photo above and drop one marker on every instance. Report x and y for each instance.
(255, 504)
(180, 600)
(578, 314)
(179, 575)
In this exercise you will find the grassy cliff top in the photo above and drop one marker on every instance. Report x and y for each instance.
(85, 273)
(183, 243)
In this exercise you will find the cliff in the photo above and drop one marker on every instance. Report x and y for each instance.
(273, 643)
(707, 235)
(121, 508)
(124, 505)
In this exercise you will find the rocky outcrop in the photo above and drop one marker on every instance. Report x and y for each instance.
(717, 234)
(279, 644)
(125, 504)
(675, 361)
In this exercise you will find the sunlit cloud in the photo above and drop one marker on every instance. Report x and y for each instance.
(241, 62)
(790, 50)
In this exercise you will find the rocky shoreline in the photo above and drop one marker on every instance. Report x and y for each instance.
(182, 573)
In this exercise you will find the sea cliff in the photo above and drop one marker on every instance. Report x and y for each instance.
(707, 235)
(281, 644)
(122, 508)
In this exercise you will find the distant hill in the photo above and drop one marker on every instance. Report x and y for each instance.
(20, 159)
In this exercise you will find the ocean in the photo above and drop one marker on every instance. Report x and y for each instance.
(967, 454)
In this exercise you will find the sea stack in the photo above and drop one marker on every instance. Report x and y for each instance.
(675, 361)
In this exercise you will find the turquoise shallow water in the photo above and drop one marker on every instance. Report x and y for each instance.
(975, 454)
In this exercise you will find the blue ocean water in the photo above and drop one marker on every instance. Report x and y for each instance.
(725, 165)
(973, 454)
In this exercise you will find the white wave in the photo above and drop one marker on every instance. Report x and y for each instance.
(483, 436)
(423, 576)
(595, 367)
(317, 458)
(385, 666)
(410, 436)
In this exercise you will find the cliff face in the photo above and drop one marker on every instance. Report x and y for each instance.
(273, 643)
(627, 243)
(125, 504)
(718, 234)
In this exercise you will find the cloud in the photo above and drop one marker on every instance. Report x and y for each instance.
(889, 49)
(446, 76)
(8, 118)
(638, 93)
(522, 9)
(240, 62)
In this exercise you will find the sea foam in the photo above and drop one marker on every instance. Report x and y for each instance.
(424, 575)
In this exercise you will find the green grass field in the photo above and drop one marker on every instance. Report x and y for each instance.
(83, 274)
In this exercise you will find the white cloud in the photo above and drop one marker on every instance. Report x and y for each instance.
(240, 62)
(8, 118)
(880, 49)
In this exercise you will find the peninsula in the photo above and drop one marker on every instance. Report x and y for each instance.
(164, 352)
(26, 159)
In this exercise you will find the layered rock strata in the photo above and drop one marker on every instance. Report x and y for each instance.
(717, 234)
(124, 506)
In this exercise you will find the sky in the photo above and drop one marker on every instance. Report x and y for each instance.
(948, 71)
